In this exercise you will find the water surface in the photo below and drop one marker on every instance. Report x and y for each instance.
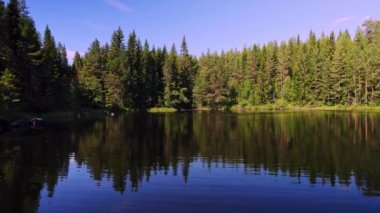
(195, 162)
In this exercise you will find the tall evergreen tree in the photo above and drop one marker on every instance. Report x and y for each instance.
(116, 69)
(342, 70)
(312, 72)
(186, 75)
(372, 33)
(323, 64)
(50, 72)
(134, 79)
(361, 68)
(64, 76)
(283, 67)
(4, 49)
(171, 91)
(76, 68)
(148, 75)
(91, 78)
(159, 85)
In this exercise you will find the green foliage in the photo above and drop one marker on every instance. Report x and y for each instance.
(91, 77)
(8, 89)
(318, 71)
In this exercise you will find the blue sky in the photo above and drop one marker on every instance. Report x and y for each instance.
(207, 24)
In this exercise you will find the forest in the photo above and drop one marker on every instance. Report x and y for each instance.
(128, 73)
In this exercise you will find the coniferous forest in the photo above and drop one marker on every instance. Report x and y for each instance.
(128, 73)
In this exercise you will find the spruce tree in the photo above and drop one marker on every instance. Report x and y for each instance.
(76, 68)
(134, 78)
(4, 49)
(323, 64)
(32, 61)
(116, 57)
(186, 76)
(372, 33)
(312, 72)
(148, 75)
(49, 77)
(361, 67)
(159, 85)
(283, 67)
(171, 92)
(13, 22)
(91, 78)
(342, 70)
(64, 77)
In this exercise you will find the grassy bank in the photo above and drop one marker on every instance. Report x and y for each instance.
(162, 110)
(67, 115)
(297, 108)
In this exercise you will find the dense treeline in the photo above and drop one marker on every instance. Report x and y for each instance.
(127, 73)
(34, 74)
(324, 71)
(133, 75)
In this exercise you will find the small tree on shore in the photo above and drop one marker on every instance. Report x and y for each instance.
(8, 90)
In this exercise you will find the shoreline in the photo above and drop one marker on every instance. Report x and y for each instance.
(86, 113)
(272, 108)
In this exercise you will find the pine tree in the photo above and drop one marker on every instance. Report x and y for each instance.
(4, 49)
(283, 67)
(76, 68)
(253, 65)
(116, 57)
(269, 73)
(159, 83)
(312, 72)
(134, 78)
(330, 82)
(64, 77)
(186, 76)
(171, 92)
(372, 33)
(342, 70)
(14, 41)
(361, 68)
(31, 65)
(13, 22)
(91, 78)
(294, 84)
(50, 73)
(323, 70)
(149, 75)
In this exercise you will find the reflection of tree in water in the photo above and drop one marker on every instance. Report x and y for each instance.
(328, 148)
(28, 163)
(131, 147)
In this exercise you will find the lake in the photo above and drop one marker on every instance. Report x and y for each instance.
(195, 162)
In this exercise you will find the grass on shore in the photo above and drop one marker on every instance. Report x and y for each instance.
(162, 110)
(94, 113)
(296, 108)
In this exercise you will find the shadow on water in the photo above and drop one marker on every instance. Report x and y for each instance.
(329, 148)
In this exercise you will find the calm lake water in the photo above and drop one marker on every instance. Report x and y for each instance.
(195, 162)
